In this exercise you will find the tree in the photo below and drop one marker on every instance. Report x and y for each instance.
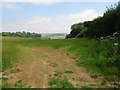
(103, 26)
(22, 34)
(75, 29)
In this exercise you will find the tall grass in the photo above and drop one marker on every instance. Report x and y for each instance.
(93, 55)
(10, 52)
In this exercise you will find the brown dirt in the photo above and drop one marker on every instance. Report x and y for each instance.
(40, 64)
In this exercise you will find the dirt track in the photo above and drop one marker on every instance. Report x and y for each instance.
(40, 65)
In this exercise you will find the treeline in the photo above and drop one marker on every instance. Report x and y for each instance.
(103, 26)
(21, 34)
(106, 31)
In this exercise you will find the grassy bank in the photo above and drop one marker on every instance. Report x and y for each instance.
(89, 53)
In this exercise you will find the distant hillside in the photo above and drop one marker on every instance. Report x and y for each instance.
(54, 35)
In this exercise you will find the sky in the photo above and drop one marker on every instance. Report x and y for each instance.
(47, 17)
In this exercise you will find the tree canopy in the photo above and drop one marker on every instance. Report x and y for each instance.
(22, 34)
(103, 26)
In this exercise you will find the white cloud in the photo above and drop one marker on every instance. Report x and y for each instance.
(59, 24)
(32, 0)
(79, 17)
(45, 2)
(59, 1)
(35, 1)
(11, 6)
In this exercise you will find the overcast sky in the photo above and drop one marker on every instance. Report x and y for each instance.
(47, 17)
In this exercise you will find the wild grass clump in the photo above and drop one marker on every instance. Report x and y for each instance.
(60, 73)
(57, 83)
(17, 84)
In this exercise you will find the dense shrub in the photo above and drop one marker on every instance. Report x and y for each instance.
(103, 26)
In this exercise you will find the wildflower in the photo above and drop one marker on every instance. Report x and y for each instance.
(116, 44)
(101, 38)
(108, 36)
(114, 34)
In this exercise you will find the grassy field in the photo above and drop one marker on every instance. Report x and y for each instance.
(87, 53)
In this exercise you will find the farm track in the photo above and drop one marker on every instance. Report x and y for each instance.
(40, 65)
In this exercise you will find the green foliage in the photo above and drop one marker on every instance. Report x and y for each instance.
(17, 84)
(83, 79)
(4, 78)
(68, 36)
(99, 27)
(54, 81)
(57, 83)
(60, 73)
(76, 28)
(6, 85)
(21, 34)
(114, 49)
(53, 65)
(94, 56)
(83, 32)
(85, 86)
(68, 72)
(95, 75)
(101, 55)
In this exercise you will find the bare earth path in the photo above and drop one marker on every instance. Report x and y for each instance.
(40, 65)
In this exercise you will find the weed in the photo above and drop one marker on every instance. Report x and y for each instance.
(73, 78)
(50, 75)
(111, 78)
(5, 73)
(4, 78)
(57, 83)
(66, 84)
(14, 71)
(54, 81)
(28, 86)
(68, 72)
(6, 85)
(53, 64)
(19, 81)
(85, 86)
(60, 73)
(95, 75)
(83, 79)
(104, 86)
(92, 84)
(19, 84)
